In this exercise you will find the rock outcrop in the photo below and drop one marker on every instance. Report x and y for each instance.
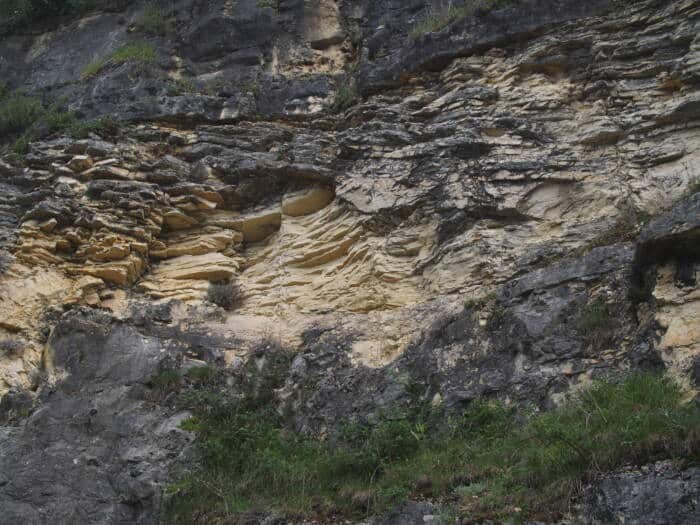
(440, 237)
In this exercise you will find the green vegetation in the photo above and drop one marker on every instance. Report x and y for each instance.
(268, 4)
(180, 85)
(21, 145)
(435, 21)
(82, 128)
(251, 86)
(18, 112)
(24, 118)
(345, 97)
(486, 462)
(155, 21)
(595, 317)
(167, 381)
(202, 375)
(18, 13)
(138, 52)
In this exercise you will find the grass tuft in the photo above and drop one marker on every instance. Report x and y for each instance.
(345, 97)
(138, 52)
(18, 112)
(167, 381)
(594, 318)
(437, 20)
(486, 459)
(155, 21)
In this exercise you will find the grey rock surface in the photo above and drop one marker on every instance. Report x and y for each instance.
(655, 494)
(411, 218)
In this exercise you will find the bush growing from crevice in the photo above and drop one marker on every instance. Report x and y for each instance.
(345, 97)
(166, 382)
(155, 21)
(537, 464)
(136, 52)
(202, 375)
(18, 112)
(180, 85)
(594, 318)
(225, 294)
(437, 20)
(24, 118)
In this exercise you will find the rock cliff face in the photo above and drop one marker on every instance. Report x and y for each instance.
(439, 233)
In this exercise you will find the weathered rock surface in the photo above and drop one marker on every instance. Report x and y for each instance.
(96, 450)
(440, 240)
(656, 494)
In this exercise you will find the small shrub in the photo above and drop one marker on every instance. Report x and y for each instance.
(18, 112)
(435, 21)
(60, 120)
(138, 52)
(21, 145)
(268, 4)
(345, 97)
(227, 295)
(251, 87)
(594, 318)
(155, 21)
(202, 375)
(180, 85)
(167, 381)
(93, 68)
(104, 125)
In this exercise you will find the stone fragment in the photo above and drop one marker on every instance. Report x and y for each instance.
(306, 202)
(80, 163)
(258, 226)
(48, 226)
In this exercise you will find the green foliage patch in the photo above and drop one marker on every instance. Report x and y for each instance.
(24, 118)
(137, 52)
(437, 20)
(18, 112)
(595, 317)
(488, 462)
(155, 21)
(345, 97)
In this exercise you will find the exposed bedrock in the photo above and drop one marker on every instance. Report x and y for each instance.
(450, 232)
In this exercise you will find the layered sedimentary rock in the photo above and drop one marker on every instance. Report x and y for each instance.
(441, 238)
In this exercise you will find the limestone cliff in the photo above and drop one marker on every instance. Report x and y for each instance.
(418, 215)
